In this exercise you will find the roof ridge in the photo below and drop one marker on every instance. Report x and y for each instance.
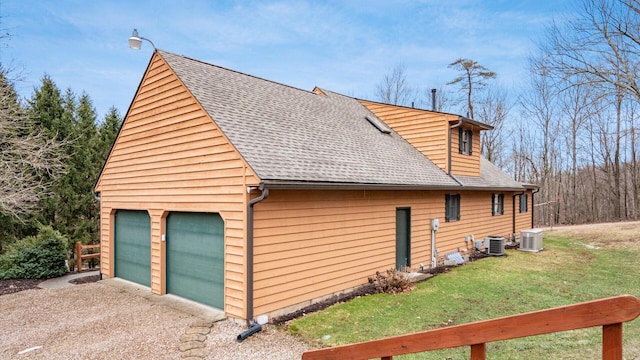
(236, 71)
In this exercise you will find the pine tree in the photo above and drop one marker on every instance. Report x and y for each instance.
(108, 132)
(51, 116)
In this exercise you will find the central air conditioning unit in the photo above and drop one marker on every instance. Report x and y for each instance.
(494, 245)
(531, 240)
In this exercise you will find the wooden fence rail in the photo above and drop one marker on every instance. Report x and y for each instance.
(609, 313)
(80, 256)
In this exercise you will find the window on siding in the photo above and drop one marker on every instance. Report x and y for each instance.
(524, 203)
(452, 207)
(497, 204)
(465, 141)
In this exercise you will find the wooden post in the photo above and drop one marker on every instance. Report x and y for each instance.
(79, 256)
(612, 342)
(479, 351)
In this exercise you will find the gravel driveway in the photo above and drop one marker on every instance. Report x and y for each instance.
(98, 321)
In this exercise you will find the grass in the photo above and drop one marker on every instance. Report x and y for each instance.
(574, 267)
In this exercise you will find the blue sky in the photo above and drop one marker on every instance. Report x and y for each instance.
(343, 46)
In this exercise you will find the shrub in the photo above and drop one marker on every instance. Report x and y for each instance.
(39, 257)
(394, 282)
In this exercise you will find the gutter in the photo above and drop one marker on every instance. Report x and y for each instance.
(252, 202)
(449, 147)
(311, 185)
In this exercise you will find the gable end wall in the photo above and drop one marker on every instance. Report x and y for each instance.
(170, 156)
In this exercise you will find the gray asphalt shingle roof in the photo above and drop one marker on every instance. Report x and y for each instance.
(292, 135)
(491, 177)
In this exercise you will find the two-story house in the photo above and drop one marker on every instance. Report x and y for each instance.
(258, 198)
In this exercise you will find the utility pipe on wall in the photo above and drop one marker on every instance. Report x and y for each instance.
(533, 207)
(252, 202)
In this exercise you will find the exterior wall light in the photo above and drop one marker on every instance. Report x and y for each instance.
(135, 41)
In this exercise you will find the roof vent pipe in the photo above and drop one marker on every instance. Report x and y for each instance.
(433, 99)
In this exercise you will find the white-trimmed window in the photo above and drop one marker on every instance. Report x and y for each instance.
(497, 204)
(452, 207)
(524, 203)
(465, 141)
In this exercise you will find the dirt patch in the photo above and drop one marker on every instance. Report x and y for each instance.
(10, 286)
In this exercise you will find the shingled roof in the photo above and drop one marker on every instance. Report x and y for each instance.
(292, 136)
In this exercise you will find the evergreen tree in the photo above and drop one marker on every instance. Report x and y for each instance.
(108, 132)
(81, 215)
(47, 109)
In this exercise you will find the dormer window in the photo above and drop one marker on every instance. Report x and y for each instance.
(465, 141)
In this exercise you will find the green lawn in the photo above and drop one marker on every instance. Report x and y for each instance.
(572, 268)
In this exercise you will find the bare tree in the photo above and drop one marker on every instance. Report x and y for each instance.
(473, 75)
(26, 156)
(394, 88)
(539, 104)
(493, 110)
(600, 45)
(577, 105)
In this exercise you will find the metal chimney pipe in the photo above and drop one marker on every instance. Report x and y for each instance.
(433, 99)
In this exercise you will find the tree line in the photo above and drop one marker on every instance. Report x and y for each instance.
(53, 149)
(573, 128)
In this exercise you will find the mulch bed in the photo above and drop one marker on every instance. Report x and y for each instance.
(10, 286)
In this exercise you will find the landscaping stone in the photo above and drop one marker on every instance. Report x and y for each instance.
(193, 337)
(202, 323)
(198, 330)
(200, 352)
(189, 345)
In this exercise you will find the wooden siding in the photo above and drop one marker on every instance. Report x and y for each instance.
(462, 164)
(310, 244)
(170, 156)
(425, 130)
(523, 220)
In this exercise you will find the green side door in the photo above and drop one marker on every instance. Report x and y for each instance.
(403, 238)
(195, 257)
(132, 240)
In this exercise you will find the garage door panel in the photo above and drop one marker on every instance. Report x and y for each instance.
(132, 240)
(195, 257)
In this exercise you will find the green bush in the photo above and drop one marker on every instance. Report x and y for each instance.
(39, 257)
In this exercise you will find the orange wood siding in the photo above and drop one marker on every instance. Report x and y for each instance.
(170, 156)
(425, 130)
(523, 220)
(311, 244)
(461, 164)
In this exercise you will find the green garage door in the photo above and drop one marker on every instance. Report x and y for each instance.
(133, 246)
(195, 257)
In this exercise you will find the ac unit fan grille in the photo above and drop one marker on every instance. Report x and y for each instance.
(495, 246)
